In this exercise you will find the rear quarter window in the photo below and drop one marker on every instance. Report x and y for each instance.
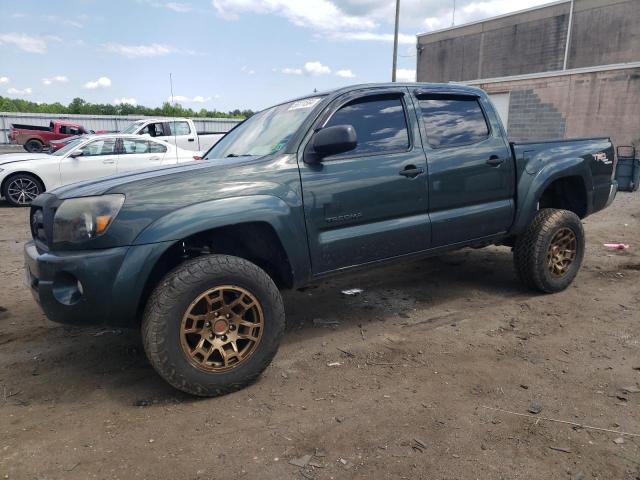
(453, 121)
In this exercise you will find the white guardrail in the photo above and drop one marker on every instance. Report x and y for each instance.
(101, 122)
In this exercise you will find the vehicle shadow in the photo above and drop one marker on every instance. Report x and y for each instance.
(112, 362)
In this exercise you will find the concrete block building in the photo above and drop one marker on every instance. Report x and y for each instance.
(565, 69)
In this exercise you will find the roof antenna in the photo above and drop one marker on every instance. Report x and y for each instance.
(173, 128)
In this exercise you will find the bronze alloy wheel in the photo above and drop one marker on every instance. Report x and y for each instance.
(221, 328)
(562, 251)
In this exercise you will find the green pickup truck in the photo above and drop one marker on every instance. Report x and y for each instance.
(196, 255)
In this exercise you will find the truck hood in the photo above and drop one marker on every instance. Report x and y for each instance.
(132, 181)
(22, 157)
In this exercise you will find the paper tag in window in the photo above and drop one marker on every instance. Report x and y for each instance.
(306, 103)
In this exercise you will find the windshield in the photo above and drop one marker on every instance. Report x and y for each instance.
(68, 147)
(132, 127)
(264, 133)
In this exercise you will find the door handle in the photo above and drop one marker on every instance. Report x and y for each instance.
(154, 159)
(411, 171)
(108, 162)
(191, 139)
(494, 161)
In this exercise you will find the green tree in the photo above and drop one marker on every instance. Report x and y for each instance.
(81, 106)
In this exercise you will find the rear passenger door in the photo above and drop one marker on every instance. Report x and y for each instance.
(182, 135)
(369, 203)
(137, 154)
(471, 173)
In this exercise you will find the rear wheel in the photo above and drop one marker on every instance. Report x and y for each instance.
(213, 325)
(34, 146)
(21, 189)
(548, 255)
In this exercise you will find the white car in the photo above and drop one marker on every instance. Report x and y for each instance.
(24, 176)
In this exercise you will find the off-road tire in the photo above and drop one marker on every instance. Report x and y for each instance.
(170, 299)
(34, 146)
(531, 248)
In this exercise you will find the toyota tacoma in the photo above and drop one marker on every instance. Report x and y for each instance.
(195, 255)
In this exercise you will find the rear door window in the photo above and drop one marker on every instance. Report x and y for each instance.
(130, 146)
(180, 128)
(155, 147)
(380, 124)
(452, 121)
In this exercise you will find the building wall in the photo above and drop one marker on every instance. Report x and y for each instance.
(603, 32)
(578, 105)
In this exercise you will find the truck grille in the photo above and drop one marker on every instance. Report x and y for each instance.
(37, 225)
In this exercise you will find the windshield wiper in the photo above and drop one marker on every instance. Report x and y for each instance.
(236, 155)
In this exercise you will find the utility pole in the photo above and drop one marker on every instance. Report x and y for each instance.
(395, 43)
(453, 15)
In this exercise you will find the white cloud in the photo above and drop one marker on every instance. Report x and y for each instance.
(309, 68)
(316, 68)
(20, 93)
(102, 82)
(28, 43)
(196, 99)
(291, 71)
(179, 7)
(56, 79)
(376, 37)
(371, 20)
(320, 15)
(200, 99)
(247, 70)
(4, 80)
(124, 100)
(67, 22)
(405, 75)
(345, 73)
(138, 51)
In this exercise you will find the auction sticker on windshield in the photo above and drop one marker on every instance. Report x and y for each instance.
(306, 103)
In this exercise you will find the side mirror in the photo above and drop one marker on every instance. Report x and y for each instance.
(76, 154)
(332, 141)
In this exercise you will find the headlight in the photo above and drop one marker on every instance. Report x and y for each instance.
(81, 219)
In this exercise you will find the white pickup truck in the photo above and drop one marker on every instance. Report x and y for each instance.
(178, 131)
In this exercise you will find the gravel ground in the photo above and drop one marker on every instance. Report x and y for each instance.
(414, 378)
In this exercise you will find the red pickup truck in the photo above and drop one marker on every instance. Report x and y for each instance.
(35, 138)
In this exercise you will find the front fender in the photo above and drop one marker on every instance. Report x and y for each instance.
(533, 183)
(286, 220)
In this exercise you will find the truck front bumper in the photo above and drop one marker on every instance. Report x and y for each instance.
(96, 287)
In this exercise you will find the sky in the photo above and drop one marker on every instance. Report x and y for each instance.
(222, 54)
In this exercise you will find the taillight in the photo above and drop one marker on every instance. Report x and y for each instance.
(197, 157)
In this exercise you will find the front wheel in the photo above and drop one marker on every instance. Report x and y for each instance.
(21, 189)
(549, 253)
(213, 325)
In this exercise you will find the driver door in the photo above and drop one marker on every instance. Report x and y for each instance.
(369, 203)
(98, 159)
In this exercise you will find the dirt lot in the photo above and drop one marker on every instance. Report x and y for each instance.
(396, 387)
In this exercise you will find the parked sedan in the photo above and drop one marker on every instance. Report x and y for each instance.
(24, 176)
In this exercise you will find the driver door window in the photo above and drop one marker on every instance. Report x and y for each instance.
(358, 207)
